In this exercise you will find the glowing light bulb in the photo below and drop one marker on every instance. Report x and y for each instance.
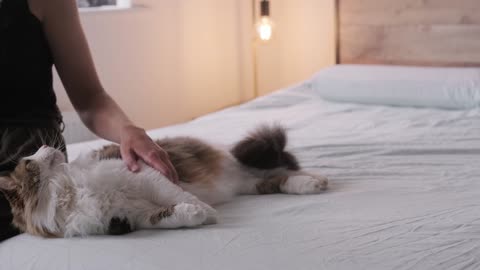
(265, 28)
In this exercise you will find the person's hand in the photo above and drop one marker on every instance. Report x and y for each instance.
(136, 144)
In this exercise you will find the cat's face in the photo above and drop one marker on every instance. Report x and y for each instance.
(25, 186)
(32, 172)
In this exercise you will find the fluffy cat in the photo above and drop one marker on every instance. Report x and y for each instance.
(96, 192)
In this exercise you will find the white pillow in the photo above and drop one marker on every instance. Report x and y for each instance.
(448, 88)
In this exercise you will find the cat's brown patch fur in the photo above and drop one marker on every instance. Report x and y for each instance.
(162, 213)
(272, 184)
(194, 160)
(111, 151)
(23, 197)
(18, 208)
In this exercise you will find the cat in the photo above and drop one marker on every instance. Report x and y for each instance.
(52, 198)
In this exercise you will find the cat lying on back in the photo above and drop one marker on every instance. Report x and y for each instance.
(52, 198)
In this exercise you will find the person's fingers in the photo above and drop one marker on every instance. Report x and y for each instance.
(160, 161)
(150, 153)
(154, 159)
(173, 172)
(130, 159)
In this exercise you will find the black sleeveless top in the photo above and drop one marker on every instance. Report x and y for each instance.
(26, 85)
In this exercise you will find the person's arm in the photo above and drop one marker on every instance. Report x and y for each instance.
(96, 108)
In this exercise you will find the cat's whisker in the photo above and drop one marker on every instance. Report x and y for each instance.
(12, 158)
(54, 140)
(58, 140)
(41, 136)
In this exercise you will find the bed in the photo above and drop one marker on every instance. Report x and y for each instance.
(400, 145)
(403, 194)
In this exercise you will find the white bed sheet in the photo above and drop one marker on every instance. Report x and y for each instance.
(404, 194)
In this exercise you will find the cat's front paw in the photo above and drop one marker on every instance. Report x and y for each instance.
(305, 184)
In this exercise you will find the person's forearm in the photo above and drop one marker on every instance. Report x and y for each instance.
(99, 112)
(105, 118)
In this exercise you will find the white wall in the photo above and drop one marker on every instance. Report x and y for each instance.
(173, 60)
(303, 42)
(170, 61)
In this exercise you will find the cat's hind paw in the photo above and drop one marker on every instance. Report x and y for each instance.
(305, 184)
(212, 215)
(190, 215)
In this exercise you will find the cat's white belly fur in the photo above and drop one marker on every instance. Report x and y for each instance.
(111, 190)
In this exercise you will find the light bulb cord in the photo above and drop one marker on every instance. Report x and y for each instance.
(265, 8)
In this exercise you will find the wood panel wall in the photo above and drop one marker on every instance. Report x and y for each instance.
(412, 32)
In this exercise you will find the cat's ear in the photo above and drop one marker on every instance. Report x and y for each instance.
(6, 183)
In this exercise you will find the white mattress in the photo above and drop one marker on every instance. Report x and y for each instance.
(404, 194)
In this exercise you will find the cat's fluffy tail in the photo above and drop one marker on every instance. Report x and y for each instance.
(264, 148)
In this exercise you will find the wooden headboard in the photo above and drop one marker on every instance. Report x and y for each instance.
(409, 32)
